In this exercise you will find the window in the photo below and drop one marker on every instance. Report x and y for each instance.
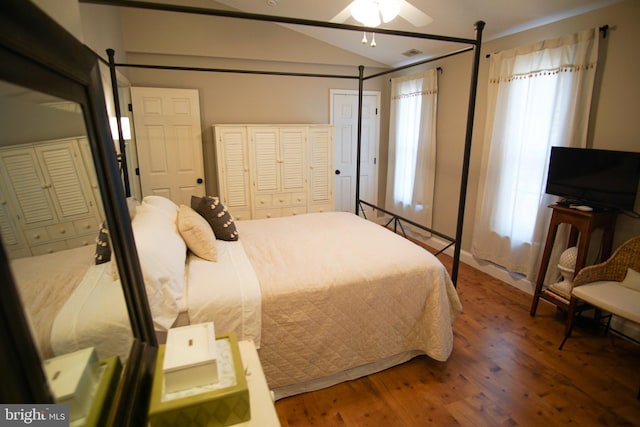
(412, 146)
(539, 96)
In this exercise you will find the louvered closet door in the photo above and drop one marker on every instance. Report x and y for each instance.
(321, 169)
(266, 159)
(292, 149)
(12, 237)
(279, 174)
(65, 178)
(31, 200)
(233, 170)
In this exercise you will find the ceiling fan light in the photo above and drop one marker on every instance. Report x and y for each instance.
(389, 9)
(365, 12)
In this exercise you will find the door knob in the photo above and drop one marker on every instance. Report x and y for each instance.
(199, 180)
(337, 171)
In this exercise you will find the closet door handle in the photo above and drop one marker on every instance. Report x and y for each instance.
(337, 171)
(199, 180)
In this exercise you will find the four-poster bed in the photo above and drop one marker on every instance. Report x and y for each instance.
(473, 45)
(294, 357)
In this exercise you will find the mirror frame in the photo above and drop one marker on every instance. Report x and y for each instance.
(39, 54)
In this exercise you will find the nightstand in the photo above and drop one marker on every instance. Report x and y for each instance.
(229, 406)
(263, 411)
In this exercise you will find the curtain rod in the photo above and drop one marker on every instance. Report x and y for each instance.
(603, 30)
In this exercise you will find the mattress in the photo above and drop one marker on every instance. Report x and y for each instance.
(340, 292)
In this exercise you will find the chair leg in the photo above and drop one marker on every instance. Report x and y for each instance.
(570, 316)
(566, 337)
(608, 325)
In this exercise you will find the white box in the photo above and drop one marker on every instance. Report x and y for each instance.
(72, 378)
(190, 357)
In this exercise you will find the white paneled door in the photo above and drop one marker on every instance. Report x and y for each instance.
(169, 142)
(344, 117)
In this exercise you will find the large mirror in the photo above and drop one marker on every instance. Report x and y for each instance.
(63, 222)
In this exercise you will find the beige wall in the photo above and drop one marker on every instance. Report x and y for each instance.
(235, 98)
(614, 120)
(152, 37)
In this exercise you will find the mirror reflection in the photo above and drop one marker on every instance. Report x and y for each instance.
(53, 229)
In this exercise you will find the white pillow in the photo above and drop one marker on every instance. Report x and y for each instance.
(162, 254)
(632, 280)
(132, 204)
(197, 233)
(163, 204)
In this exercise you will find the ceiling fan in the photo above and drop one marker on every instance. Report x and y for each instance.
(406, 10)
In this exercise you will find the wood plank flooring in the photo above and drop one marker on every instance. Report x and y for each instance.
(505, 370)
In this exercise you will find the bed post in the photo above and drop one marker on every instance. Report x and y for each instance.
(122, 159)
(360, 92)
(479, 26)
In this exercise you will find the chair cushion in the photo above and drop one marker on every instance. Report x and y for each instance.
(612, 297)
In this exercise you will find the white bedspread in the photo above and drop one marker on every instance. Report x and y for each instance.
(340, 292)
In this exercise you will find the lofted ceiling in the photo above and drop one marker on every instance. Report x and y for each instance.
(448, 17)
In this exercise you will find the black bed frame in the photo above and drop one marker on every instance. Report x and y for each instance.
(471, 45)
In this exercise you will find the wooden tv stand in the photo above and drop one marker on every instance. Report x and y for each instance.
(583, 223)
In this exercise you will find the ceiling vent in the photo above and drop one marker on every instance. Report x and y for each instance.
(412, 52)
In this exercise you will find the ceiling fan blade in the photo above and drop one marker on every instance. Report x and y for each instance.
(414, 15)
(342, 16)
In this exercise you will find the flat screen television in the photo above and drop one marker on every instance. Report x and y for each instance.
(603, 179)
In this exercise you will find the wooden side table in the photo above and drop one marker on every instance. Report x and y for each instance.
(582, 223)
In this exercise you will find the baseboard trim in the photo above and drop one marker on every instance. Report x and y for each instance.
(628, 328)
(492, 270)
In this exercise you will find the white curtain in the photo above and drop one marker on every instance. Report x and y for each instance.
(539, 96)
(412, 146)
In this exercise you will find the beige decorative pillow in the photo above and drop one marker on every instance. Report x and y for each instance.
(632, 280)
(197, 233)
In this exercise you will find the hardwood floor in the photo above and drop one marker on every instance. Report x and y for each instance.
(505, 370)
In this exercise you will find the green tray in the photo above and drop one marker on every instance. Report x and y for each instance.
(202, 406)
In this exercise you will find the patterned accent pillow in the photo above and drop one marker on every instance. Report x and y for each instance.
(103, 246)
(217, 216)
